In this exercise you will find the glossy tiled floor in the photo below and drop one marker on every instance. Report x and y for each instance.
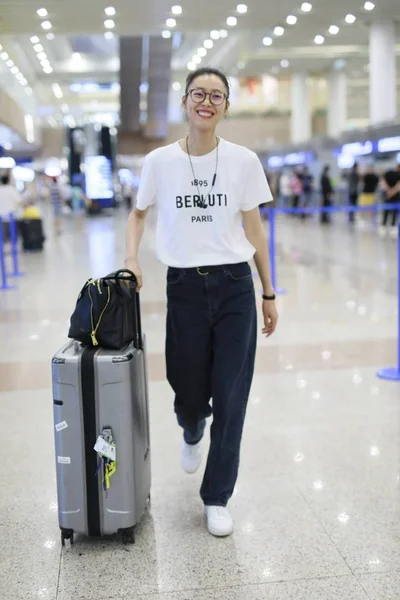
(317, 505)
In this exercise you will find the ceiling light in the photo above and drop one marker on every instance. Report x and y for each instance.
(267, 41)
(48, 70)
(334, 29)
(14, 70)
(45, 63)
(42, 56)
(10, 63)
(284, 63)
(76, 56)
(279, 31)
(23, 82)
(109, 24)
(176, 86)
(64, 108)
(241, 9)
(202, 52)
(46, 25)
(176, 10)
(35, 39)
(109, 35)
(42, 12)
(57, 91)
(170, 23)
(166, 34)
(319, 39)
(50, 36)
(369, 6)
(208, 44)
(191, 66)
(4, 56)
(350, 19)
(223, 33)
(306, 7)
(19, 76)
(110, 11)
(196, 59)
(291, 20)
(231, 21)
(38, 48)
(214, 34)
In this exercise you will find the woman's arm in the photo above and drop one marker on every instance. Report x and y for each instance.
(255, 233)
(134, 234)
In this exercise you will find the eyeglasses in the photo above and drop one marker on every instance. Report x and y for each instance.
(198, 95)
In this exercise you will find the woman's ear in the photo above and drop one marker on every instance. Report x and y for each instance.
(227, 107)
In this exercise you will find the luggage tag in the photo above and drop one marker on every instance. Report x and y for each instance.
(106, 449)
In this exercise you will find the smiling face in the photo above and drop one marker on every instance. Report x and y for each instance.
(201, 111)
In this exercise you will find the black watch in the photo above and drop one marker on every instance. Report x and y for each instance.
(273, 297)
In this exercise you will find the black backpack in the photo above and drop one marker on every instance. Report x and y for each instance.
(107, 312)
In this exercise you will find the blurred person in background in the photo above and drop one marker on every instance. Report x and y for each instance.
(285, 190)
(327, 193)
(370, 183)
(207, 193)
(56, 203)
(354, 188)
(297, 189)
(307, 182)
(391, 186)
(11, 201)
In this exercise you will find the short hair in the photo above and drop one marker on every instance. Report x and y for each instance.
(208, 71)
(5, 179)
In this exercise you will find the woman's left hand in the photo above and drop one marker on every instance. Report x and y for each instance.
(270, 317)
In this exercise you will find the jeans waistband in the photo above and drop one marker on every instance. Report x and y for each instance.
(205, 270)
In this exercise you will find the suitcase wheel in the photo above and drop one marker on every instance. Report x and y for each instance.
(128, 536)
(67, 534)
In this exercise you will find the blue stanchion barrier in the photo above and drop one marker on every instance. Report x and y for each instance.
(14, 247)
(3, 271)
(272, 253)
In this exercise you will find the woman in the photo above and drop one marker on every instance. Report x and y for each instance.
(207, 192)
(354, 185)
(327, 193)
(56, 202)
(368, 196)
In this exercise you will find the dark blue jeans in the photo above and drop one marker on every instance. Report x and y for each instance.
(210, 352)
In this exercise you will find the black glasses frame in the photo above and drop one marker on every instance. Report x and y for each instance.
(209, 94)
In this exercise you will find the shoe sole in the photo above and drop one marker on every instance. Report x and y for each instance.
(218, 533)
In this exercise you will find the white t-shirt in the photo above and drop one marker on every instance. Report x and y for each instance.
(187, 234)
(10, 200)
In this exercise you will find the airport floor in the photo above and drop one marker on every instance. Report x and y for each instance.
(317, 504)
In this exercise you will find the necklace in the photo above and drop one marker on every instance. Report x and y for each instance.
(202, 204)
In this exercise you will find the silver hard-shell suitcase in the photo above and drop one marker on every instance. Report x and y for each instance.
(96, 390)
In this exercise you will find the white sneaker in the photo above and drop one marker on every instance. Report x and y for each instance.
(393, 232)
(219, 521)
(191, 457)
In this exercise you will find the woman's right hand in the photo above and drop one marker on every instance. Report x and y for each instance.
(134, 267)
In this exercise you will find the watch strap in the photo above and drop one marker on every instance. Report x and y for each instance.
(273, 297)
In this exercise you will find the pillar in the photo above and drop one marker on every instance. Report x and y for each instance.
(159, 79)
(337, 103)
(131, 58)
(382, 73)
(301, 115)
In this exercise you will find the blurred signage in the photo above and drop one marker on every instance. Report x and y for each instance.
(358, 148)
(99, 179)
(391, 144)
(292, 159)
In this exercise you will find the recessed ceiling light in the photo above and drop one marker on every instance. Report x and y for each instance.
(176, 86)
(319, 39)
(291, 20)
(369, 6)
(14, 70)
(334, 29)
(223, 33)
(4, 56)
(109, 35)
(350, 19)
(279, 31)
(50, 36)
(48, 70)
(191, 66)
(23, 82)
(42, 56)
(170, 23)
(35, 39)
(202, 52)
(231, 21)
(166, 34)
(196, 59)
(76, 56)
(176, 10)
(42, 12)
(57, 91)
(241, 9)
(208, 44)
(45, 63)
(10, 63)
(306, 7)
(46, 25)
(38, 48)
(284, 63)
(267, 41)
(215, 35)
(109, 24)
(19, 76)
(110, 11)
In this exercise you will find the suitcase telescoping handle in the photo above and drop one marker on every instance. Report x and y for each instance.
(126, 275)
